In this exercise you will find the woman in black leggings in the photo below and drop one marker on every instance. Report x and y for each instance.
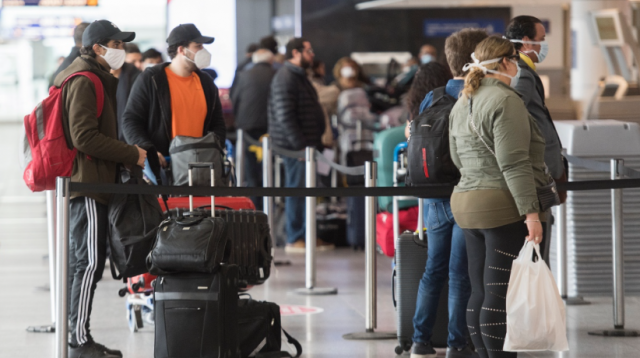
(499, 150)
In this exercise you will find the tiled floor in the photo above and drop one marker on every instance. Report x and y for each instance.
(23, 271)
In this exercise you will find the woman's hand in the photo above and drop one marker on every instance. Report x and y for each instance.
(535, 228)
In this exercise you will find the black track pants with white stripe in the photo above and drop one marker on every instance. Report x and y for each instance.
(88, 222)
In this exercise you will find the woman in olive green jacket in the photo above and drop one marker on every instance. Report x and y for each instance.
(499, 150)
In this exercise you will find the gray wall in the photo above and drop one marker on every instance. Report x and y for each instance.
(253, 21)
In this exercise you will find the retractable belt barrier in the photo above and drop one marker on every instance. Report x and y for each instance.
(601, 166)
(435, 191)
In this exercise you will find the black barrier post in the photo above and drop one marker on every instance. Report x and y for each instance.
(63, 196)
(370, 265)
(617, 166)
(310, 235)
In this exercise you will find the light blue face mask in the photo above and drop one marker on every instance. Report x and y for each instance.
(544, 48)
(426, 58)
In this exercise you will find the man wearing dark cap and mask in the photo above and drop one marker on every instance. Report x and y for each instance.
(94, 135)
(174, 98)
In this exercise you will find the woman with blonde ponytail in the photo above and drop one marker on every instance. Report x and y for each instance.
(499, 150)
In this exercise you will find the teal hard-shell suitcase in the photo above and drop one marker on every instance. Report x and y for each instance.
(384, 144)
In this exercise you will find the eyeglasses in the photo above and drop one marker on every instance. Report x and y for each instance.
(309, 51)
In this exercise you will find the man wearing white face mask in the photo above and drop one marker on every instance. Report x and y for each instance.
(174, 98)
(528, 36)
(90, 126)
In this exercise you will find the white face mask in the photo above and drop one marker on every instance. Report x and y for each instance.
(347, 72)
(114, 57)
(544, 48)
(202, 58)
(477, 64)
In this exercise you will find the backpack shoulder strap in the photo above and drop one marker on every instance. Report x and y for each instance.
(283, 354)
(439, 93)
(96, 83)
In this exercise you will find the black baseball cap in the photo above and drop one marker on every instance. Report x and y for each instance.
(104, 29)
(187, 33)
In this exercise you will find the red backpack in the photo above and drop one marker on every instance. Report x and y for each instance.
(48, 155)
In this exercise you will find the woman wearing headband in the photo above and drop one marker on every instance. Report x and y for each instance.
(499, 150)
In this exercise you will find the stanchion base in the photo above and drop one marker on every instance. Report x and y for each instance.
(316, 291)
(370, 336)
(41, 329)
(575, 301)
(281, 263)
(616, 333)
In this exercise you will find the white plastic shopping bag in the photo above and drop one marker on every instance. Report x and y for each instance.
(536, 318)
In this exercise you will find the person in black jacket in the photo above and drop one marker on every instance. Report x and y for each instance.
(155, 115)
(296, 121)
(75, 50)
(250, 100)
(126, 75)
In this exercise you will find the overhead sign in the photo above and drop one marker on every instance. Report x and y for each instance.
(446, 27)
(49, 2)
(45, 27)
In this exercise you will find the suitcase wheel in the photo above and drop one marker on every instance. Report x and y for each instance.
(134, 317)
(399, 350)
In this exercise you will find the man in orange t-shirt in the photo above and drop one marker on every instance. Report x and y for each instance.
(174, 98)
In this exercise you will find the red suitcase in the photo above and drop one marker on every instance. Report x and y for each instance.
(235, 203)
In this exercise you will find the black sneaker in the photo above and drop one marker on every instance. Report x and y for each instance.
(90, 350)
(422, 350)
(465, 352)
(102, 347)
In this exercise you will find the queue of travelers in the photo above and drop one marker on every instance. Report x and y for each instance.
(501, 138)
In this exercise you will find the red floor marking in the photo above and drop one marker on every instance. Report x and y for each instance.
(292, 310)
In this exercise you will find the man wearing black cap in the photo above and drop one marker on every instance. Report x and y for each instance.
(174, 98)
(95, 137)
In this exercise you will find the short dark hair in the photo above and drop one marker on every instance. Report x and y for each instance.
(88, 50)
(429, 77)
(131, 48)
(151, 53)
(459, 46)
(252, 48)
(172, 50)
(521, 26)
(296, 43)
(269, 43)
(78, 31)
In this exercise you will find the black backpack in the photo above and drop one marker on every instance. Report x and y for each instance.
(428, 157)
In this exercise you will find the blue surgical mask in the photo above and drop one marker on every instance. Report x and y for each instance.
(426, 58)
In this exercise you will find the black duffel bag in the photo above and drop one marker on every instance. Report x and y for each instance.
(190, 242)
(133, 224)
(259, 330)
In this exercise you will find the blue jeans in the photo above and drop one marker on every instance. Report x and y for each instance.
(447, 257)
(294, 207)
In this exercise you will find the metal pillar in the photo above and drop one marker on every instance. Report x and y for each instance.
(617, 166)
(277, 176)
(370, 265)
(562, 278)
(62, 273)
(51, 236)
(268, 201)
(310, 234)
(240, 158)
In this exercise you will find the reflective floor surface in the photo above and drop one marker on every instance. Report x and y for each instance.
(25, 302)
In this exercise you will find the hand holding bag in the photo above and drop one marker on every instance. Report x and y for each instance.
(536, 318)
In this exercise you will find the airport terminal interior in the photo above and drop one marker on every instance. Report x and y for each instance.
(590, 83)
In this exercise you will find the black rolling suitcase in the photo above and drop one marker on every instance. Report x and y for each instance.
(197, 315)
(410, 261)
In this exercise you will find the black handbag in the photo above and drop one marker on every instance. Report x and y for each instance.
(259, 330)
(191, 242)
(133, 224)
(548, 195)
